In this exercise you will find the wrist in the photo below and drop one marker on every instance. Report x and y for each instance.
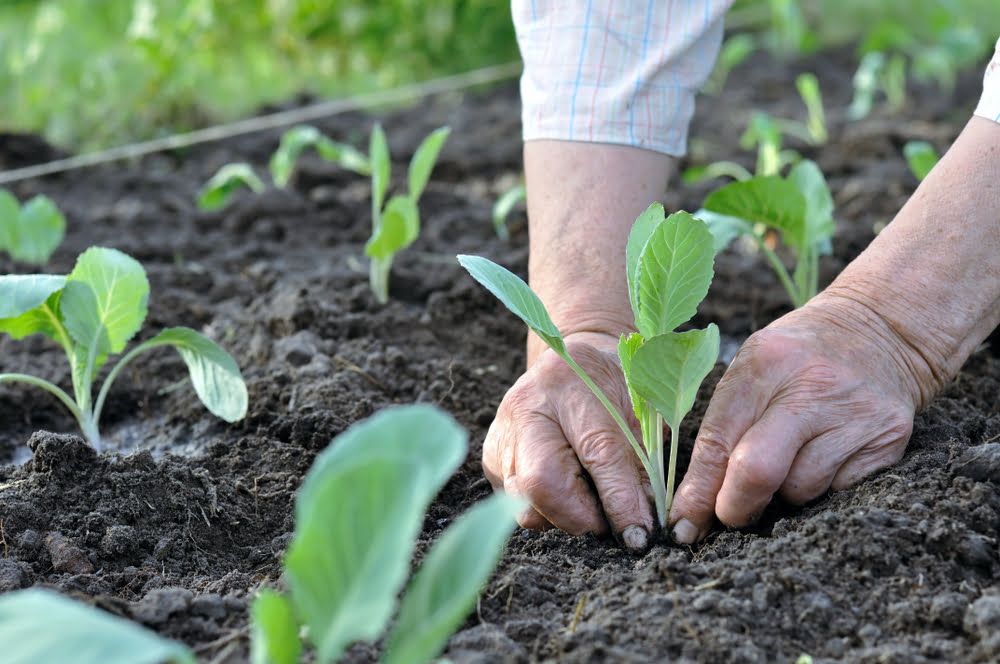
(600, 329)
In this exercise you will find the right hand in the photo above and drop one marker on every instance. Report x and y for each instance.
(554, 444)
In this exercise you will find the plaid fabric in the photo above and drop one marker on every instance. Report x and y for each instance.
(989, 103)
(615, 71)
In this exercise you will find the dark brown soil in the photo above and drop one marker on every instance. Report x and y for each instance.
(181, 526)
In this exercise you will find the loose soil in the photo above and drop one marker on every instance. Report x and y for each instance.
(186, 516)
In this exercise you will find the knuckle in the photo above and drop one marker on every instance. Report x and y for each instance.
(539, 488)
(755, 471)
(599, 447)
(711, 446)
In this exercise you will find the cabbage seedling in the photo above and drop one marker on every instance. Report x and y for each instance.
(396, 225)
(798, 206)
(921, 157)
(669, 263)
(92, 314)
(358, 515)
(32, 232)
(227, 181)
(296, 140)
(503, 207)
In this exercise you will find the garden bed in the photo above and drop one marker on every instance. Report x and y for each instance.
(193, 515)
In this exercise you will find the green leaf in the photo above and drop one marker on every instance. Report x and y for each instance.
(378, 155)
(638, 236)
(20, 293)
(770, 200)
(275, 631)
(358, 515)
(673, 274)
(40, 229)
(424, 159)
(221, 187)
(668, 370)
(516, 296)
(628, 344)
(724, 229)
(41, 626)
(808, 86)
(216, 377)
(10, 211)
(297, 139)
(445, 588)
(503, 207)
(819, 224)
(399, 229)
(105, 299)
(921, 158)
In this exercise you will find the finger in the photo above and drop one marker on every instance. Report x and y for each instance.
(759, 464)
(548, 475)
(815, 466)
(881, 453)
(491, 454)
(529, 516)
(732, 410)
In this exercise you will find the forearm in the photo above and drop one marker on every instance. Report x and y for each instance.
(932, 277)
(582, 200)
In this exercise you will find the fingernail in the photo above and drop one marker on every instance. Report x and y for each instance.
(685, 532)
(636, 538)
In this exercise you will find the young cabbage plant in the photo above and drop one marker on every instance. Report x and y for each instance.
(296, 140)
(504, 206)
(798, 206)
(921, 157)
(357, 518)
(30, 233)
(396, 222)
(229, 179)
(669, 267)
(92, 313)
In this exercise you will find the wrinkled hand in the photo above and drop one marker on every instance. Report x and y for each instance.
(554, 444)
(817, 400)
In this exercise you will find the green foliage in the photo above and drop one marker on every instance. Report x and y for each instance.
(358, 515)
(219, 190)
(297, 139)
(41, 626)
(799, 207)
(397, 225)
(669, 269)
(32, 232)
(504, 206)
(90, 74)
(921, 158)
(92, 314)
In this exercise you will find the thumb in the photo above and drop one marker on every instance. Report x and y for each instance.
(730, 414)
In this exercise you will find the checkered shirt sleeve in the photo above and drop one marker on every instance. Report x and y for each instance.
(989, 103)
(615, 71)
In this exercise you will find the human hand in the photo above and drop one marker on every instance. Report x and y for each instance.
(554, 444)
(819, 399)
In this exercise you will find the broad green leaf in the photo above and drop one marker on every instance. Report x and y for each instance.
(819, 224)
(10, 210)
(668, 370)
(921, 158)
(40, 229)
(628, 344)
(43, 319)
(516, 296)
(674, 273)
(503, 207)
(221, 187)
(20, 293)
(40, 626)
(275, 630)
(724, 229)
(424, 159)
(105, 299)
(216, 377)
(381, 163)
(445, 588)
(770, 200)
(399, 229)
(358, 515)
(638, 236)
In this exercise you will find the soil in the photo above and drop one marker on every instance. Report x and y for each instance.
(186, 516)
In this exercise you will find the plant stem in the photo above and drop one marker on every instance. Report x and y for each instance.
(662, 491)
(672, 467)
(603, 398)
(86, 423)
(781, 271)
(378, 278)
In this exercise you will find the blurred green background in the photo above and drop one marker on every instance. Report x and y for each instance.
(94, 73)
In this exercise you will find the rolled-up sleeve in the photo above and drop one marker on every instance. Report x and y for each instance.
(615, 71)
(989, 103)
